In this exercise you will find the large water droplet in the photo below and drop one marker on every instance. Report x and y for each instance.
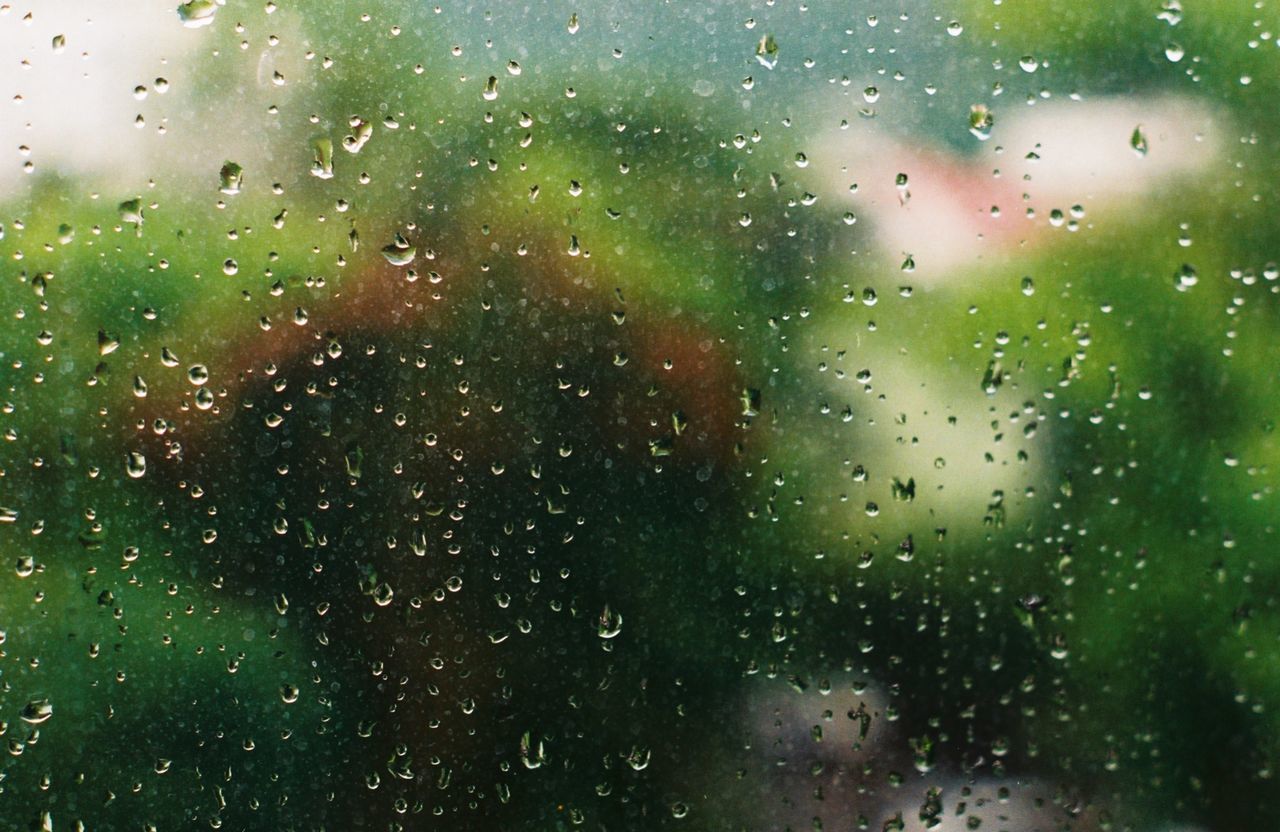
(767, 52)
(37, 711)
(135, 465)
(197, 13)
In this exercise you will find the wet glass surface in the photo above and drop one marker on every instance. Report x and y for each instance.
(725, 416)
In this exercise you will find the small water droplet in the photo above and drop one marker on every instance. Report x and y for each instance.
(1138, 141)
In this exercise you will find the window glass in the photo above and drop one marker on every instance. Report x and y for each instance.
(626, 416)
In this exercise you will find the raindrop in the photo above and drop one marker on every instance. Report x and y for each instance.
(531, 754)
(981, 121)
(37, 711)
(107, 342)
(322, 162)
(609, 624)
(399, 252)
(767, 52)
(135, 465)
(197, 13)
(131, 211)
(230, 178)
(1138, 141)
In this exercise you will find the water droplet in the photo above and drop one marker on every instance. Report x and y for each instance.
(59, 43)
(639, 757)
(107, 342)
(1174, 52)
(532, 754)
(131, 211)
(197, 13)
(491, 88)
(361, 132)
(573, 23)
(981, 121)
(37, 711)
(954, 28)
(135, 465)
(230, 178)
(609, 624)
(1138, 141)
(767, 52)
(399, 252)
(198, 374)
(322, 161)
